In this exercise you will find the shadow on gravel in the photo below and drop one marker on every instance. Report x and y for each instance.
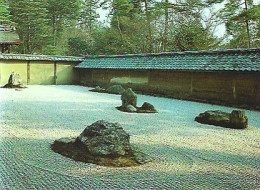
(24, 148)
(37, 152)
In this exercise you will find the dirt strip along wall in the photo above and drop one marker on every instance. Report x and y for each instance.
(227, 88)
(39, 72)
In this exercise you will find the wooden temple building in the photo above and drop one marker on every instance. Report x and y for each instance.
(8, 38)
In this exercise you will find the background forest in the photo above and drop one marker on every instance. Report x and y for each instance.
(73, 27)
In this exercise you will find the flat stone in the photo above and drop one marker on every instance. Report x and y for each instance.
(98, 89)
(235, 120)
(66, 140)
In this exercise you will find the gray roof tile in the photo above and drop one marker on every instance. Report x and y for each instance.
(40, 57)
(225, 60)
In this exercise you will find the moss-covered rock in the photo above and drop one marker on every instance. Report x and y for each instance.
(101, 143)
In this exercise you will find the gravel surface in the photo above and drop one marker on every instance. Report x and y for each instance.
(186, 154)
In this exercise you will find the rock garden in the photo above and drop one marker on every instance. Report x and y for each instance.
(52, 138)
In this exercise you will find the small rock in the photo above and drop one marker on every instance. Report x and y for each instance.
(97, 89)
(130, 108)
(65, 140)
(115, 89)
(128, 97)
(147, 108)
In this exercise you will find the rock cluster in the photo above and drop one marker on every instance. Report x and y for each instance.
(115, 89)
(14, 81)
(236, 119)
(129, 103)
(102, 143)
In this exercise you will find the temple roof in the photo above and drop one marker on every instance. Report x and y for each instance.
(9, 37)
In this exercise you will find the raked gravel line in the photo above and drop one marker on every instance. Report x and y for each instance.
(186, 154)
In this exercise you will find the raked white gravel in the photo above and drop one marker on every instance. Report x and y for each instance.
(186, 154)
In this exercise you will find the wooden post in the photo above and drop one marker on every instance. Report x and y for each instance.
(28, 73)
(234, 89)
(191, 83)
(55, 72)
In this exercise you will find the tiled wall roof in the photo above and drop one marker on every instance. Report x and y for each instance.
(40, 57)
(218, 60)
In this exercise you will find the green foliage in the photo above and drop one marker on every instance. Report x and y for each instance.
(241, 18)
(64, 27)
(192, 36)
(78, 46)
(88, 14)
(32, 24)
(4, 14)
(61, 14)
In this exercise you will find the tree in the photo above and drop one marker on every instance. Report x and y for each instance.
(78, 47)
(32, 24)
(4, 13)
(241, 18)
(88, 14)
(61, 14)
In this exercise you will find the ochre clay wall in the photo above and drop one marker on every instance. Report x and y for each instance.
(228, 88)
(66, 74)
(39, 72)
(9, 66)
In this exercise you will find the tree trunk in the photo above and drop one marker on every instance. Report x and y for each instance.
(118, 26)
(166, 25)
(247, 27)
(54, 30)
(148, 21)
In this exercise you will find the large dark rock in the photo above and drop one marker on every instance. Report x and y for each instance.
(115, 89)
(104, 138)
(14, 81)
(101, 143)
(235, 120)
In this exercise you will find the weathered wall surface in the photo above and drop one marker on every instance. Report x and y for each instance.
(66, 74)
(39, 72)
(8, 66)
(231, 88)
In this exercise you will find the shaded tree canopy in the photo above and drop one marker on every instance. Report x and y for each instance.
(66, 27)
